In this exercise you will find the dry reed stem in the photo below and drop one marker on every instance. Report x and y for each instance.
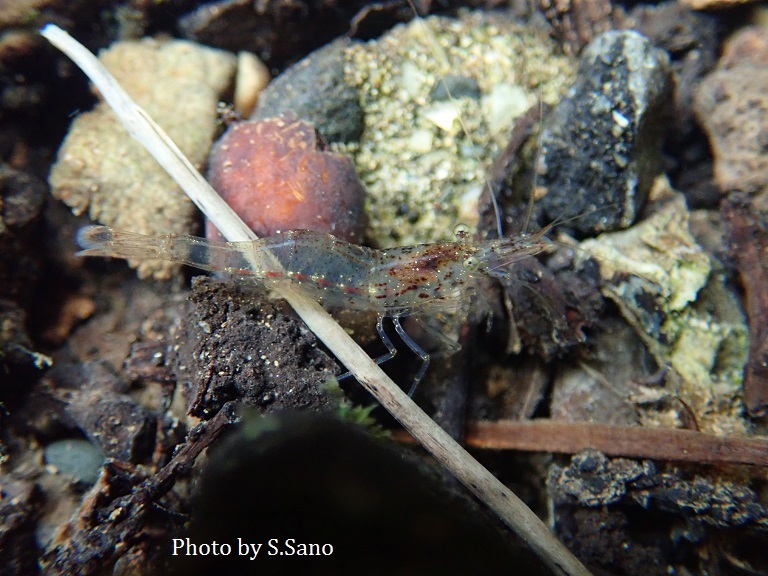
(470, 472)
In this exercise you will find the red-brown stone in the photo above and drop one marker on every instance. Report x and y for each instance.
(277, 174)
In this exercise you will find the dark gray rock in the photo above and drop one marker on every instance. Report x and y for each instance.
(600, 149)
(316, 91)
(97, 403)
(237, 345)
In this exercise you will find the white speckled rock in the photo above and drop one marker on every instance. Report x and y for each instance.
(100, 169)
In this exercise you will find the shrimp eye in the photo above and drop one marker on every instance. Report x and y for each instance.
(461, 232)
(471, 262)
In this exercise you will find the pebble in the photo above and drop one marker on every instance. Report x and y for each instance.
(252, 77)
(76, 457)
(456, 86)
(278, 175)
(601, 148)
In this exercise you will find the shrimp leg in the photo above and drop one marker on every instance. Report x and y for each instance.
(416, 349)
(387, 342)
(391, 349)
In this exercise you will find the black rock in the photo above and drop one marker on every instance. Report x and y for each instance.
(601, 148)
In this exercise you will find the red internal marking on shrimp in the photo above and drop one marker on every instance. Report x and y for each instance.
(391, 282)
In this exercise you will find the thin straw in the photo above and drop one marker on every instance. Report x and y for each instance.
(470, 472)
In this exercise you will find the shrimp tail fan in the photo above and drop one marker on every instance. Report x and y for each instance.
(104, 241)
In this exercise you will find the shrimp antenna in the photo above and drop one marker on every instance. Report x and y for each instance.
(534, 183)
(497, 211)
(560, 221)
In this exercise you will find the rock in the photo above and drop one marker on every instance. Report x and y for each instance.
(236, 345)
(317, 91)
(277, 31)
(601, 148)
(579, 391)
(692, 41)
(425, 159)
(732, 107)
(252, 77)
(20, 509)
(101, 170)
(577, 482)
(664, 285)
(77, 458)
(22, 197)
(600, 505)
(97, 403)
(277, 174)
(576, 24)
(714, 4)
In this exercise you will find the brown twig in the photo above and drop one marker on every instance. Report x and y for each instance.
(748, 243)
(629, 441)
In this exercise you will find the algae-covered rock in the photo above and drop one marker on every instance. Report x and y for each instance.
(101, 170)
(664, 284)
(658, 255)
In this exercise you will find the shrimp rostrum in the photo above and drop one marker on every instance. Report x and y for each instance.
(393, 282)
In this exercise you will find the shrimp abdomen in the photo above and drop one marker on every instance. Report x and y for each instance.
(332, 271)
(190, 250)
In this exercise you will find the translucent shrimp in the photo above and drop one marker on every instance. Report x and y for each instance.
(394, 282)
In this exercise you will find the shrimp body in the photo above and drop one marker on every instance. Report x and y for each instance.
(391, 282)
